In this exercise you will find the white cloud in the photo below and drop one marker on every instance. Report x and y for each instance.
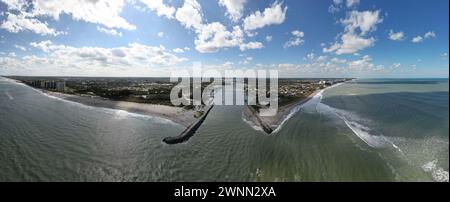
(310, 56)
(211, 36)
(338, 61)
(351, 3)
(181, 50)
(189, 15)
(430, 34)
(160, 8)
(134, 54)
(251, 45)
(396, 36)
(160, 34)
(363, 64)
(352, 44)
(365, 21)
(20, 47)
(235, 8)
(337, 5)
(298, 33)
(357, 25)
(178, 50)
(18, 23)
(104, 12)
(417, 39)
(269, 38)
(109, 31)
(296, 40)
(396, 65)
(133, 59)
(275, 14)
(247, 60)
(25, 15)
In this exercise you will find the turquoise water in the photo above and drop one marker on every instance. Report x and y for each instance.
(368, 130)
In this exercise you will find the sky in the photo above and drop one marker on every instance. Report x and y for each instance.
(152, 38)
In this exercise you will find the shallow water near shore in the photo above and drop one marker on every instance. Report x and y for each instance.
(367, 130)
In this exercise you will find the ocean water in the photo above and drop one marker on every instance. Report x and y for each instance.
(367, 130)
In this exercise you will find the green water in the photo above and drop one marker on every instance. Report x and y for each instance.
(369, 130)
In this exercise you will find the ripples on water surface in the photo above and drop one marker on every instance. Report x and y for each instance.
(370, 130)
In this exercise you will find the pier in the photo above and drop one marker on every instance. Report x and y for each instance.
(189, 131)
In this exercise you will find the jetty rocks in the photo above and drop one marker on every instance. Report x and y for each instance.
(189, 131)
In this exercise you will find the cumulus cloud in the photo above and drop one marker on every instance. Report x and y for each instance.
(275, 14)
(357, 25)
(396, 65)
(134, 54)
(20, 22)
(211, 37)
(364, 21)
(417, 39)
(190, 15)
(318, 65)
(251, 45)
(25, 15)
(178, 50)
(104, 12)
(351, 3)
(235, 8)
(109, 31)
(20, 47)
(336, 6)
(363, 64)
(428, 35)
(396, 36)
(296, 40)
(269, 38)
(160, 8)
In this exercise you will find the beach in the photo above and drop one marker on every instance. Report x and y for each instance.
(271, 124)
(176, 114)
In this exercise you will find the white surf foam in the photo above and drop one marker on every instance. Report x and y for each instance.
(438, 173)
(119, 114)
(311, 102)
(251, 124)
(356, 124)
(9, 95)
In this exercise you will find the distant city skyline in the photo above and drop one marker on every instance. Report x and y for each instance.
(152, 38)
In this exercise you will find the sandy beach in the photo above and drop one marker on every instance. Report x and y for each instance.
(176, 114)
(269, 124)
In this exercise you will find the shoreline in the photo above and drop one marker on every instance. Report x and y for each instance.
(177, 115)
(271, 124)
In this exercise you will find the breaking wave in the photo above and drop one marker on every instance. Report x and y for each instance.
(356, 124)
(312, 101)
(251, 124)
(438, 173)
(118, 113)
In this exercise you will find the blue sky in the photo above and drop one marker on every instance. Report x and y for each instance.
(300, 38)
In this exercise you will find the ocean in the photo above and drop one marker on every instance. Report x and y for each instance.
(365, 130)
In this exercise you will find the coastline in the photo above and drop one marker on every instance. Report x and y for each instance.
(177, 115)
(271, 124)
